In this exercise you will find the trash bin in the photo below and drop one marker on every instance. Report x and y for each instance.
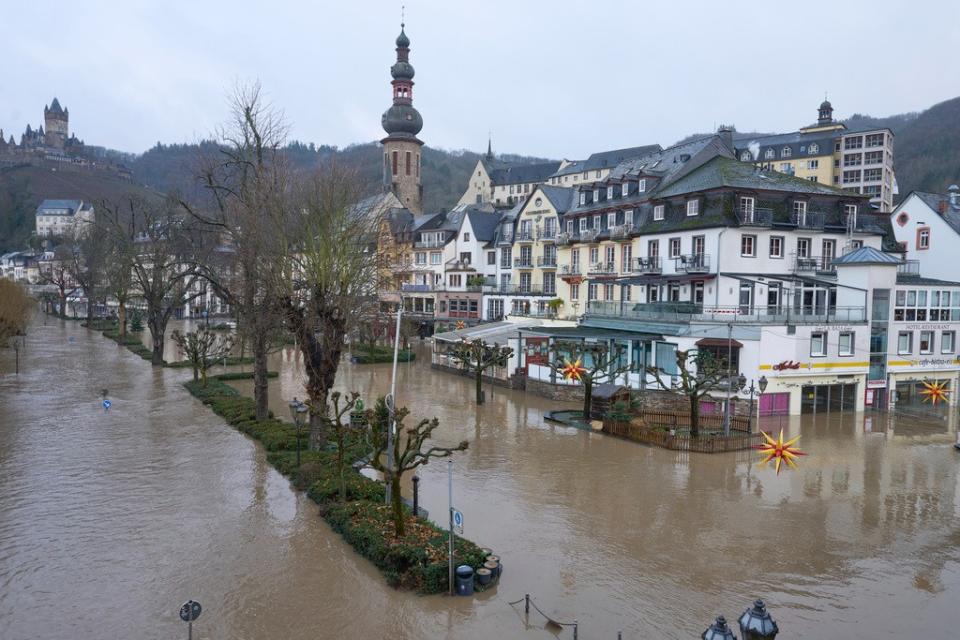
(464, 580)
(484, 576)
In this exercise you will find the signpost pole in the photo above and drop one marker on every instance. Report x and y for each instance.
(450, 496)
(190, 630)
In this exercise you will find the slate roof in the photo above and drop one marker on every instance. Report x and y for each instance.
(607, 159)
(560, 197)
(951, 215)
(484, 223)
(909, 278)
(503, 173)
(73, 206)
(867, 255)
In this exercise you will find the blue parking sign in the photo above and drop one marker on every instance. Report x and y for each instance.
(107, 404)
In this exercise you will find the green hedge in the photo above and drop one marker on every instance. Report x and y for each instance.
(232, 360)
(131, 342)
(416, 561)
(371, 354)
(244, 375)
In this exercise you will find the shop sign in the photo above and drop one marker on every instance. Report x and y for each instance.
(876, 384)
(785, 365)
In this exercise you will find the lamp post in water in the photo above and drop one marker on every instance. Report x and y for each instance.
(755, 624)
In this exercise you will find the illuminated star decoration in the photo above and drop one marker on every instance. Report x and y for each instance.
(935, 391)
(461, 324)
(573, 370)
(779, 450)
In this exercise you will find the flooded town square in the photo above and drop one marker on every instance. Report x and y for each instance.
(109, 520)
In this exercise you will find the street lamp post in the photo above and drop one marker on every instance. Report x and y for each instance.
(298, 411)
(726, 408)
(762, 383)
(718, 631)
(757, 624)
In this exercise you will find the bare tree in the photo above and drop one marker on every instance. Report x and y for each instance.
(340, 432)
(164, 249)
(586, 362)
(56, 272)
(408, 453)
(15, 307)
(202, 348)
(330, 276)
(698, 372)
(478, 356)
(89, 252)
(247, 181)
(118, 276)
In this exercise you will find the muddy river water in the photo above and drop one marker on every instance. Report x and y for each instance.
(109, 520)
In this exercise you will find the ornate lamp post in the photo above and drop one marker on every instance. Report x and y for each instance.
(756, 623)
(298, 411)
(762, 383)
(718, 631)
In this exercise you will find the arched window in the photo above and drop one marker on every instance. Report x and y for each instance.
(746, 156)
(785, 152)
(813, 148)
(770, 153)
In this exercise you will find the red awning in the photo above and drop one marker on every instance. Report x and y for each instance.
(718, 342)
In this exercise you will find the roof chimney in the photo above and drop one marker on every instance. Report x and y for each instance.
(942, 207)
(954, 192)
(725, 133)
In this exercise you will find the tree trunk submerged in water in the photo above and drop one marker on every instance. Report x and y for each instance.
(121, 320)
(260, 389)
(398, 519)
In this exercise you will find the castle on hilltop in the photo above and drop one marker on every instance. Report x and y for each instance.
(51, 141)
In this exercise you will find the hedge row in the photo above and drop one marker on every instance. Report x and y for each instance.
(131, 342)
(371, 354)
(416, 561)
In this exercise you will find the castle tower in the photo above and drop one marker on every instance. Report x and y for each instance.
(57, 122)
(401, 147)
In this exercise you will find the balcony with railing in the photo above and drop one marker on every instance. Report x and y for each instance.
(590, 235)
(532, 289)
(547, 262)
(692, 263)
(429, 244)
(603, 269)
(567, 238)
(651, 265)
(621, 231)
(813, 264)
(755, 217)
(547, 234)
(524, 235)
(808, 219)
(909, 268)
(408, 287)
(686, 312)
(506, 238)
(523, 262)
(571, 270)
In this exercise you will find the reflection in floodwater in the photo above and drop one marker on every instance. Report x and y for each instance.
(110, 520)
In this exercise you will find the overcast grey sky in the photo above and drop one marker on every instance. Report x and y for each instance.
(557, 79)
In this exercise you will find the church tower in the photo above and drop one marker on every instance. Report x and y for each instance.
(56, 120)
(401, 147)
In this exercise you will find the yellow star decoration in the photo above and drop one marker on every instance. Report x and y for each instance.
(935, 392)
(573, 370)
(461, 324)
(779, 450)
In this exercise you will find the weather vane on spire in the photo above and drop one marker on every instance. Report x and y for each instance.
(403, 8)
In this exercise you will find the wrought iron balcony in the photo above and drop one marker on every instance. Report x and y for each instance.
(547, 262)
(808, 219)
(621, 231)
(647, 265)
(524, 236)
(815, 264)
(590, 235)
(523, 263)
(754, 217)
(603, 269)
(429, 244)
(505, 238)
(909, 267)
(546, 234)
(567, 238)
(692, 263)
(570, 270)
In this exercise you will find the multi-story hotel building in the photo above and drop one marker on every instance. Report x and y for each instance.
(857, 160)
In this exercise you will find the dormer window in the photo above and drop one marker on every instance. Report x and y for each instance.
(786, 152)
(658, 212)
(596, 222)
(642, 185)
(693, 207)
(583, 198)
(628, 216)
(596, 195)
(625, 189)
(746, 157)
(770, 153)
(813, 148)
(610, 192)
(611, 219)
(583, 224)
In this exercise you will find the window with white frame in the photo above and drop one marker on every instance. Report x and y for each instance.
(575, 292)
(747, 204)
(770, 153)
(625, 293)
(776, 246)
(674, 247)
(596, 195)
(642, 185)
(596, 222)
(845, 343)
(926, 342)
(786, 152)
(626, 256)
(658, 212)
(594, 255)
(611, 255)
(923, 238)
(610, 192)
(818, 344)
(420, 257)
(799, 210)
(608, 292)
(570, 227)
(592, 292)
(583, 198)
(611, 219)
(693, 207)
(748, 246)
(905, 342)
(948, 342)
(628, 216)
(575, 261)
(584, 222)
(745, 156)
(813, 148)
(624, 188)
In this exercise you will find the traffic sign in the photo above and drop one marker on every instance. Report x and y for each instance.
(107, 404)
(458, 522)
(190, 611)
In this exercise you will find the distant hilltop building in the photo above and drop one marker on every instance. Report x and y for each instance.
(52, 138)
(57, 218)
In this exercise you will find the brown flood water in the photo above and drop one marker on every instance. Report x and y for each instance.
(110, 520)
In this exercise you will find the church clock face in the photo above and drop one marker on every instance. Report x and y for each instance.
(538, 201)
